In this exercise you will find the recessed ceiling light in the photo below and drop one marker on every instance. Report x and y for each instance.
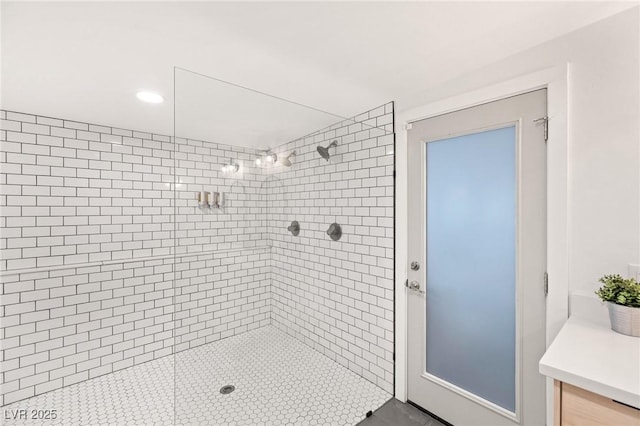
(152, 98)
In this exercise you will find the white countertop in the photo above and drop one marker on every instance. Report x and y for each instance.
(592, 356)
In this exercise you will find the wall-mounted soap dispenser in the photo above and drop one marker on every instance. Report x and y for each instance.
(203, 198)
(218, 200)
(209, 200)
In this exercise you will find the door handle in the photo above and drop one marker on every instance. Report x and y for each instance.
(414, 285)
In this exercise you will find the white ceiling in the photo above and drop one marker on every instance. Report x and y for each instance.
(208, 109)
(86, 60)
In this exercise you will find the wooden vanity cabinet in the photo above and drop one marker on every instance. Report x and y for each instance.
(574, 406)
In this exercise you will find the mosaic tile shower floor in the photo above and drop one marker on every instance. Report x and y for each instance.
(278, 381)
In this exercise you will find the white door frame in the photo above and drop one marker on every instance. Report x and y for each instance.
(556, 80)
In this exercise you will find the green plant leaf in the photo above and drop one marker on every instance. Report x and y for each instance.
(619, 290)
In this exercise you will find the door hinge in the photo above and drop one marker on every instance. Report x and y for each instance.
(546, 283)
(545, 122)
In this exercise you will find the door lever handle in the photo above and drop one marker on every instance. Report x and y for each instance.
(414, 285)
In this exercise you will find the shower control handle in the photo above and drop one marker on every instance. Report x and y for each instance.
(294, 228)
(334, 231)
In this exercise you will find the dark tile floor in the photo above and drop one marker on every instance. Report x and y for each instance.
(396, 413)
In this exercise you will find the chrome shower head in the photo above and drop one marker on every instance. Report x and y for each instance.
(285, 161)
(266, 158)
(324, 152)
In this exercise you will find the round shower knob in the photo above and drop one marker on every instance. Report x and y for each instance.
(334, 231)
(294, 228)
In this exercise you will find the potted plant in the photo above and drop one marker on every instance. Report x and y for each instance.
(623, 300)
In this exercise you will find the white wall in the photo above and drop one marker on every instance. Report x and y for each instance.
(604, 138)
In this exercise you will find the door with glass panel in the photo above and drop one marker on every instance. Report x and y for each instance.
(477, 253)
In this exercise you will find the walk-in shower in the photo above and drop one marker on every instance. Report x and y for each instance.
(146, 275)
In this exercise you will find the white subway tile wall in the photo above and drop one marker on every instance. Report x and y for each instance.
(337, 296)
(84, 193)
(88, 236)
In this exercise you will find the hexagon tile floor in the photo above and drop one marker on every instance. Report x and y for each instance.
(278, 381)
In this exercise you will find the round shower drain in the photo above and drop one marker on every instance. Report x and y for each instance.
(227, 389)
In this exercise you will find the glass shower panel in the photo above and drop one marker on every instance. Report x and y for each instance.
(470, 312)
(240, 157)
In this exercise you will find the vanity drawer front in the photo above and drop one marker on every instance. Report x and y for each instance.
(584, 408)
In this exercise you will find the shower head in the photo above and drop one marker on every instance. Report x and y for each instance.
(267, 158)
(324, 152)
(285, 161)
(271, 157)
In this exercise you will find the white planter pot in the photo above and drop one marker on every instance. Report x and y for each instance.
(624, 319)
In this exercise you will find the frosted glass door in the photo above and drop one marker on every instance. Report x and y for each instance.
(476, 261)
(471, 263)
